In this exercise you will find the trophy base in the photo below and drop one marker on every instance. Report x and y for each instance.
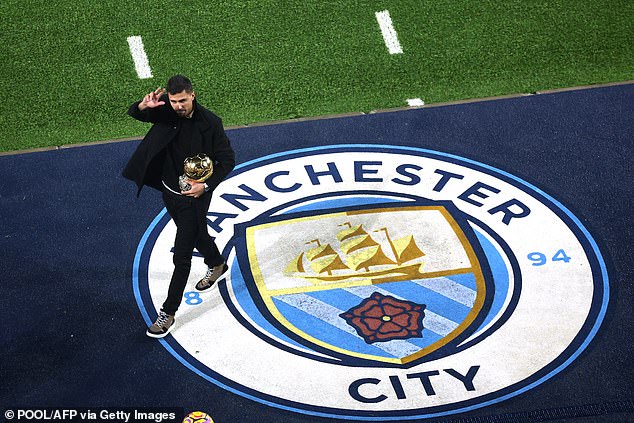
(182, 183)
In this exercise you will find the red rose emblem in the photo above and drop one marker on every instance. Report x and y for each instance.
(381, 318)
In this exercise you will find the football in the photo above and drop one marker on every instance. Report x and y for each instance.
(198, 417)
(198, 168)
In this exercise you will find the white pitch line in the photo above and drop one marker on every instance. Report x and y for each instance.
(389, 34)
(141, 63)
(415, 102)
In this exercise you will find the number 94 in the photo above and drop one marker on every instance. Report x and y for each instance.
(540, 259)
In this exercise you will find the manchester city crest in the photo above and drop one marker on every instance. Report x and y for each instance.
(372, 282)
(388, 284)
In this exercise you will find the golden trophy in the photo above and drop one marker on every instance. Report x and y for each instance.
(197, 168)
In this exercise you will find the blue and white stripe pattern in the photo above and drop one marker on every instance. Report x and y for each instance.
(448, 301)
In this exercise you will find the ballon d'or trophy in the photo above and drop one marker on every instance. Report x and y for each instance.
(197, 168)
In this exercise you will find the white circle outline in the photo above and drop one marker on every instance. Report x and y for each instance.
(590, 334)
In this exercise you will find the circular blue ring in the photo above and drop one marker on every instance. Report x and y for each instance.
(582, 340)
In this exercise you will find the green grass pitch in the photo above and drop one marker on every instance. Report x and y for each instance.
(68, 75)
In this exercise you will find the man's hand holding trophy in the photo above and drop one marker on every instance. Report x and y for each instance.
(197, 170)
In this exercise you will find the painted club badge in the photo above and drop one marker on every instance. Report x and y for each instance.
(373, 282)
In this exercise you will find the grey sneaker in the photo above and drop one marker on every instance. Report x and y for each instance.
(163, 325)
(212, 275)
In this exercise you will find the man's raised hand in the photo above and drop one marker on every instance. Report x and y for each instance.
(152, 99)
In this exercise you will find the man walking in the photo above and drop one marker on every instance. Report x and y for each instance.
(181, 128)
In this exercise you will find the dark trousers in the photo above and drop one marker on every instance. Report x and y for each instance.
(190, 216)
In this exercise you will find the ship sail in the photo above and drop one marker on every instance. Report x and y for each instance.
(357, 243)
(297, 265)
(350, 232)
(406, 249)
(366, 257)
(327, 264)
(320, 251)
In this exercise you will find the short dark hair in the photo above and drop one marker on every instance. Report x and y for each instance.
(178, 84)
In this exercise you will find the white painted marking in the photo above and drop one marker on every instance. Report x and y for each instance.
(389, 34)
(415, 102)
(141, 62)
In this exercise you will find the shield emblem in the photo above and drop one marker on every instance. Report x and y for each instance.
(386, 284)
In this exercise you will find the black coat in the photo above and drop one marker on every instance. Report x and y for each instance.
(146, 164)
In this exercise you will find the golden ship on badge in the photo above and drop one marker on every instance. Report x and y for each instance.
(363, 258)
